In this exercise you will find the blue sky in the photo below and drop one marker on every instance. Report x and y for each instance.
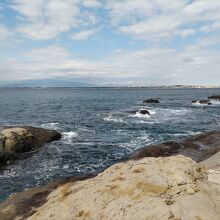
(120, 42)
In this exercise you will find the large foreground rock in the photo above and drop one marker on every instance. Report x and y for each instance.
(151, 188)
(17, 140)
(198, 147)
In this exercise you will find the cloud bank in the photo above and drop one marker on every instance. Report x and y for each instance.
(148, 42)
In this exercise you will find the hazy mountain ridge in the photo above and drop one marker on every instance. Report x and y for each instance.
(45, 83)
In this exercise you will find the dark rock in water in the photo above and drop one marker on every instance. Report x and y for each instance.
(199, 147)
(207, 102)
(214, 97)
(141, 111)
(202, 102)
(17, 140)
(151, 101)
(144, 112)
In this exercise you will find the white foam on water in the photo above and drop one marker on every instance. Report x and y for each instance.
(193, 133)
(182, 111)
(139, 115)
(68, 137)
(215, 102)
(143, 140)
(197, 103)
(84, 129)
(187, 134)
(110, 118)
(52, 125)
(152, 112)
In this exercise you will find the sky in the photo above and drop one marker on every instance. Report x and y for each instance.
(111, 42)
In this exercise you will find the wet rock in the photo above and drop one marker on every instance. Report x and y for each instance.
(17, 140)
(214, 97)
(141, 111)
(202, 102)
(144, 112)
(155, 101)
(198, 147)
(151, 188)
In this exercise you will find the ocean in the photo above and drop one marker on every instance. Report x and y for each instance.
(97, 127)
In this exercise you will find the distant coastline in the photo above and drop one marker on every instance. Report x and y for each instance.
(69, 83)
(112, 87)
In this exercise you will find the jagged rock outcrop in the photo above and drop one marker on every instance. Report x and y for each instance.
(17, 140)
(151, 188)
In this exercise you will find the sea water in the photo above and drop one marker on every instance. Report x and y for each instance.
(97, 128)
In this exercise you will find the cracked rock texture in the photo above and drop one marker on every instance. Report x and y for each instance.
(150, 188)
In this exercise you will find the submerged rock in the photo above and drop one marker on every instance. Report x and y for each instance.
(151, 188)
(17, 140)
(151, 101)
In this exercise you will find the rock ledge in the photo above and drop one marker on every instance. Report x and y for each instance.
(150, 188)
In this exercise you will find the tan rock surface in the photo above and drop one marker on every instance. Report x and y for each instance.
(214, 168)
(213, 161)
(151, 188)
(18, 140)
(12, 137)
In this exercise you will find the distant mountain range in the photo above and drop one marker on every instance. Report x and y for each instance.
(71, 84)
(45, 83)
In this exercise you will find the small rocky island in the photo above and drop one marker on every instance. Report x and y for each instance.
(16, 141)
(173, 180)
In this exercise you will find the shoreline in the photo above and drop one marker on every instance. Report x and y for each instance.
(28, 203)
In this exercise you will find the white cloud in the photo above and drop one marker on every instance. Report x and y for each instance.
(54, 53)
(195, 61)
(6, 35)
(186, 32)
(147, 66)
(46, 19)
(91, 3)
(84, 35)
(161, 26)
(158, 19)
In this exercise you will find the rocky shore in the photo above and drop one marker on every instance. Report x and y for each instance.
(153, 184)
